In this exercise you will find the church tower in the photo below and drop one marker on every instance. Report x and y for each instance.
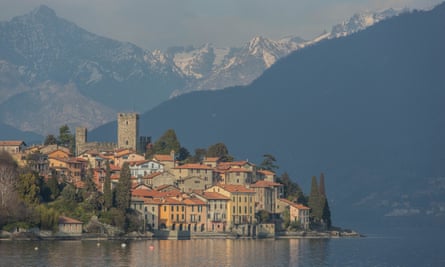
(127, 130)
(81, 139)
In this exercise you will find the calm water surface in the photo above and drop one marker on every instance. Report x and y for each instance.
(411, 248)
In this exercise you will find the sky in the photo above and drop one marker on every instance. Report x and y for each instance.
(159, 24)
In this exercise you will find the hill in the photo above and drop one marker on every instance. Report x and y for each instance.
(367, 110)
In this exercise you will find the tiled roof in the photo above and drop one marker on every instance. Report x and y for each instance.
(295, 205)
(211, 159)
(263, 183)
(193, 201)
(213, 196)
(11, 143)
(266, 172)
(238, 170)
(235, 188)
(194, 166)
(160, 157)
(68, 220)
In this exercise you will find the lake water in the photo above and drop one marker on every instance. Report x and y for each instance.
(403, 248)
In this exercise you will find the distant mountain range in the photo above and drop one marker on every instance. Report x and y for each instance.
(56, 73)
(366, 109)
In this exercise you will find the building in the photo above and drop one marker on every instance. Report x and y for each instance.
(216, 210)
(267, 193)
(69, 226)
(13, 146)
(128, 130)
(298, 213)
(241, 207)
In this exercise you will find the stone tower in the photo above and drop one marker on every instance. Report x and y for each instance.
(81, 138)
(127, 130)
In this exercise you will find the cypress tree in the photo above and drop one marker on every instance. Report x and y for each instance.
(315, 200)
(108, 196)
(322, 189)
(123, 189)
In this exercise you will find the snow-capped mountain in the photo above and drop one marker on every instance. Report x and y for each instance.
(39, 50)
(212, 68)
(361, 21)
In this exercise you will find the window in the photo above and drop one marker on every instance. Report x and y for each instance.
(234, 209)
(165, 208)
(245, 209)
(239, 209)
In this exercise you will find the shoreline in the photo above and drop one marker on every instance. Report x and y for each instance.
(191, 236)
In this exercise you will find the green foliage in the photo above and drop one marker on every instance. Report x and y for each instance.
(54, 187)
(108, 196)
(123, 188)
(269, 163)
(263, 216)
(219, 150)
(315, 201)
(113, 217)
(27, 187)
(285, 215)
(166, 143)
(198, 156)
(50, 140)
(183, 154)
(292, 190)
(49, 218)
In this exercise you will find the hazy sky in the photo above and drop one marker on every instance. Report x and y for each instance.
(158, 24)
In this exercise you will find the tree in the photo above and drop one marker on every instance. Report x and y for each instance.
(50, 140)
(123, 188)
(199, 155)
(108, 196)
(166, 143)
(66, 139)
(27, 187)
(53, 186)
(321, 186)
(292, 190)
(183, 154)
(219, 150)
(315, 201)
(8, 179)
(269, 163)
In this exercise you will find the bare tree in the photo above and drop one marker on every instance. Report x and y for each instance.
(8, 179)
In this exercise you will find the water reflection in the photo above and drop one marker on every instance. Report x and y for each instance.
(202, 252)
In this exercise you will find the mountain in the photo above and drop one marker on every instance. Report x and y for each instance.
(366, 109)
(39, 47)
(10, 133)
(40, 50)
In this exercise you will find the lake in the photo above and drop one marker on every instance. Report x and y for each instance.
(402, 247)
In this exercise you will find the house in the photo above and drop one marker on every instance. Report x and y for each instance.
(216, 210)
(297, 212)
(198, 170)
(126, 155)
(13, 146)
(172, 214)
(160, 178)
(59, 153)
(192, 183)
(144, 168)
(195, 214)
(241, 207)
(69, 226)
(168, 160)
(266, 175)
(69, 169)
(267, 193)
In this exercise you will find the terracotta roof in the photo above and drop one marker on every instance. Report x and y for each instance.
(193, 201)
(213, 196)
(68, 220)
(235, 188)
(266, 172)
(194, 166)
(295, 205)
(11, 143)
(145, 193)
(238, 170)
(160, 157)
(263, 183)
(165, 186)
(171, 201)
(211, 159)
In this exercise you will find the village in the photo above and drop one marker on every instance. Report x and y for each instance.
(174, 200)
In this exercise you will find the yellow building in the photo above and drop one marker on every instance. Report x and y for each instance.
(172, 214)
(241, 206)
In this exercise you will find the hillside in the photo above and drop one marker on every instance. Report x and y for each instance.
(367, 110)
